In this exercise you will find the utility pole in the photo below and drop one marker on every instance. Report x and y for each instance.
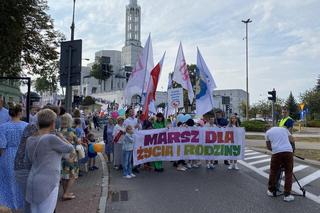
(68, 97)
(247, 90)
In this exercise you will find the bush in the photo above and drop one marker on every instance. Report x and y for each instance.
(314, 123)
(254, 126)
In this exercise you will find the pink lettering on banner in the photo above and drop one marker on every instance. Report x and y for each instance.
(185, 137)
(195, 136)
(220, 137)
(162, 138)
(150, 139)
(229, 137)
(184, 70)
(211, 137)
(173, 137)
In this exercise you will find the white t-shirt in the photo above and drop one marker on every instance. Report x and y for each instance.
(279, 139)
(132, 122)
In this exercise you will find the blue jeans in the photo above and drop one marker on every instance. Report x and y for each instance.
(126, 162)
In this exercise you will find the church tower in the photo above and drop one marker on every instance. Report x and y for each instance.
(133, 23)
(132, 48)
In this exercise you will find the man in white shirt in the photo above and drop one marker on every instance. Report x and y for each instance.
(278, 140)
(132, 120)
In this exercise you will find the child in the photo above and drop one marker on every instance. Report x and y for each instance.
(91, 153)
(127, 149)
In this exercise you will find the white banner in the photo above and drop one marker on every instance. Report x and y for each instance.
(189, 143)
(175, 97)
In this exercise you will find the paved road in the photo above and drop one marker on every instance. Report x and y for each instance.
(299, 144)
(203, 191)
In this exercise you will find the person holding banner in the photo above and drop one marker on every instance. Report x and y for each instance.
(221, 122)
(158, 124)
(118, 132)
(210, 123)
(233, 122)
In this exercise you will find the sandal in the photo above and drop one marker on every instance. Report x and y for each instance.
(68, 198)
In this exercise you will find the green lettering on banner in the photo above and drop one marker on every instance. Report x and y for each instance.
(236, 150)
(199, 150)
(189, 149)
(216, 149)
(208, 150)
(228, 150)
(222, 150)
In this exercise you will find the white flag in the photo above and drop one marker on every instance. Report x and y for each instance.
(206, 85)
(139, 78)
(181, 74)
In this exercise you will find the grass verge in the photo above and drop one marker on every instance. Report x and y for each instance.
(304, 139)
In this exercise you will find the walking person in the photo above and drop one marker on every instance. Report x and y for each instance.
(278, 140)
(117, 135)
(107, 138)
(4, 113)
(210, 123)
(158, 124)
(10, 137)
(233, 122)
(127, 149)
(44, 152)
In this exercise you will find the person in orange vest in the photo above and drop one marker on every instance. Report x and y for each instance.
(286, 120)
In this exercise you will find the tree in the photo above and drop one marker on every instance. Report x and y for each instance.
(87, 101)
(48, 83)
(28, 40)
(162, 105)
(311, 99)
(101, 70)
(317, 88)
(292, 106)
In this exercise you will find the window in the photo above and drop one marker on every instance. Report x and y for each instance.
(93, 90)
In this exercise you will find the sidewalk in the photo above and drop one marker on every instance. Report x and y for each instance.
(87, 190)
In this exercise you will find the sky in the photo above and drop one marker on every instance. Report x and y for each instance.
(284, 38)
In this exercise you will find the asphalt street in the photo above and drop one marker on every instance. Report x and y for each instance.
(208, 191)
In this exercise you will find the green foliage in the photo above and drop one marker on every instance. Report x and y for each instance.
(313, 123)
(264, 109)
(293, 107)
(87, 101)
(254, 126)
(317, 88)
(311, 99)
(28, 40)
(101, 71)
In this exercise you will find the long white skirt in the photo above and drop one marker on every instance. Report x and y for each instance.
(48, 205)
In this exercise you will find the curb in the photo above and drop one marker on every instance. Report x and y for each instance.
(305, 161)
(104, 185)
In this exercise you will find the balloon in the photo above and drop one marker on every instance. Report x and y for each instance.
(188, 116)
(180, 118)
(114, 114)
(98, 147)
(184, 118)
(121, 112)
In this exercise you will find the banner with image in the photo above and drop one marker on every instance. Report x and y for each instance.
(189, 143)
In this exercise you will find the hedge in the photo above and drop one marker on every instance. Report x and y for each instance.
(254, 126)
(313, 123)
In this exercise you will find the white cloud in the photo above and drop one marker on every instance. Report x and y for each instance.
(284, 44)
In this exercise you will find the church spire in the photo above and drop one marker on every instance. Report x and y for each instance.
(133, 23)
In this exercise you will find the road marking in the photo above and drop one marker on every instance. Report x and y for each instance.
(260, 161)
(295, 188)
(256, 157)
(308, 179)
(298, 168)
(248, 150)
(264, 167)
(252, 153)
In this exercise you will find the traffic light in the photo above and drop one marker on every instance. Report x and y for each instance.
(227, 107)
(273, 96)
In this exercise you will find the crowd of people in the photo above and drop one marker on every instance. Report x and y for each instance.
(54, 148)
(119, 141)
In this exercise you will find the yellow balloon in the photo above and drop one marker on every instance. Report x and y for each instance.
(98, 147)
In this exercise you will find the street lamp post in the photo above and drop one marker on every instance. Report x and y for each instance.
(247, 90)
(68, 97)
